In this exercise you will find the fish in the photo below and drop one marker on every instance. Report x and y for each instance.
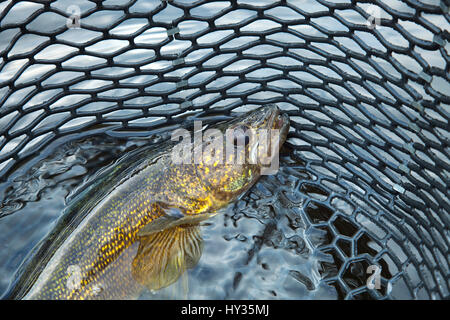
(136, 225)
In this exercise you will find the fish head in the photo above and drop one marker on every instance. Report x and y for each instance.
(237, 152)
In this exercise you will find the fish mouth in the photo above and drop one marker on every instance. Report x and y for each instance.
(278, 124)
(279, 121)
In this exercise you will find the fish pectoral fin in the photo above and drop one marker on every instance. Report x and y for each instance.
(163, 257)
(157, 225)
(169, 219)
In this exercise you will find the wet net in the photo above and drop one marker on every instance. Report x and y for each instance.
(366, 86)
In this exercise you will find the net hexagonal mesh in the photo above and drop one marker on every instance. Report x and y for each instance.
(366, 86)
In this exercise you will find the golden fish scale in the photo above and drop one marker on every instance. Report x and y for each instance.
(116, 224)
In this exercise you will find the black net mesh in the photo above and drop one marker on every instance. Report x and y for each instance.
(366, 85)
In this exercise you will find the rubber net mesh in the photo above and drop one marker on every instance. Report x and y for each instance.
(366, 86)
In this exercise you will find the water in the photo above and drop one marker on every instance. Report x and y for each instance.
(262, 247)
(33, 198)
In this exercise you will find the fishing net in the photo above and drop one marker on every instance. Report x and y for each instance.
(366, 86)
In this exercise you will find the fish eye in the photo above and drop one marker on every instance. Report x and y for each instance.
(241, 133)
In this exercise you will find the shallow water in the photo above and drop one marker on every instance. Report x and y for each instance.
(255, 245)
(262, 247)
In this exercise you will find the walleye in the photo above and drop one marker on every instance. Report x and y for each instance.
(136, 226)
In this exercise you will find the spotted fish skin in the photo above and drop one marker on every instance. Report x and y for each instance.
(90, 253)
